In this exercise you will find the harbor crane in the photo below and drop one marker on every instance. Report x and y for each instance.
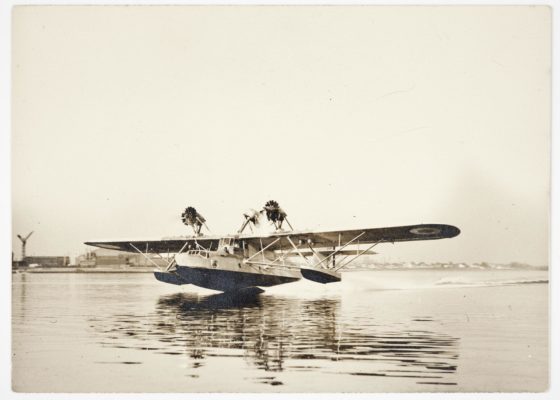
(23, 243)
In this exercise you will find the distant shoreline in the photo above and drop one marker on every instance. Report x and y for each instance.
(86, 270)
(150, 269)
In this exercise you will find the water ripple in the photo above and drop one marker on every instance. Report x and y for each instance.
(285, 334)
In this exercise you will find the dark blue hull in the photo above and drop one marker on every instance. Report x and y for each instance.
(225, 280)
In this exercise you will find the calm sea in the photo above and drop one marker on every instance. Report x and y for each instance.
(376, 331)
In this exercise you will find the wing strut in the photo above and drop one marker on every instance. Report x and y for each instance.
(328, 275)
(144, 255)
(261, 251)
(359, 254)
(297, 250)
(170, 263)
(197, 245)
(338, 250)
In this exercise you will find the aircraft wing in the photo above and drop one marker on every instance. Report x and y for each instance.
(281, 240)
(361, 236)
(165, 245)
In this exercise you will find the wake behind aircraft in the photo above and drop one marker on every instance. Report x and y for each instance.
(248, 260)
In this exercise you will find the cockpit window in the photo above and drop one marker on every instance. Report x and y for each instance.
(227, 242)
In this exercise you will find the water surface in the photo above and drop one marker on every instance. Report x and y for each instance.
(379, 331)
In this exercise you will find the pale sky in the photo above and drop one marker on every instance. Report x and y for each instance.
(349, 117)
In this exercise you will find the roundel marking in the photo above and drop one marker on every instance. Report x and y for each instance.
(425, 231)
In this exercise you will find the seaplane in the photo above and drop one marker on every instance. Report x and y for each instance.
(247, 260)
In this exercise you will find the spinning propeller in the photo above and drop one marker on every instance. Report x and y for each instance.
(273, 212)
(252, 219)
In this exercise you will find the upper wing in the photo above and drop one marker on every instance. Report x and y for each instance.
(166, 245)
(340, 238)
(281, 240)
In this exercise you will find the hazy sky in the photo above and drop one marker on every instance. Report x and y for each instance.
(350, 117)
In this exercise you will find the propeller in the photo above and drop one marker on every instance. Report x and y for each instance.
(275, 214)
(192, 218)
(252, 218)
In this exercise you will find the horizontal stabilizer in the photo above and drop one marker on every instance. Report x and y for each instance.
(320, 276)
(169, 277)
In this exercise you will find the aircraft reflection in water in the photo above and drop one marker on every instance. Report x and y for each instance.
(279, 334)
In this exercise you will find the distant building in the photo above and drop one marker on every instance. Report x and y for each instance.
(110, 258)
(47, 261)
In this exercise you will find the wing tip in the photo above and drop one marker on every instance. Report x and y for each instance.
(451, 231)
(434, 231)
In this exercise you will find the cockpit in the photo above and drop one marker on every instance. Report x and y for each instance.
(229, 245)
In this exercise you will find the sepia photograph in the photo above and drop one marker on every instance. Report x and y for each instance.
(280, 199)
